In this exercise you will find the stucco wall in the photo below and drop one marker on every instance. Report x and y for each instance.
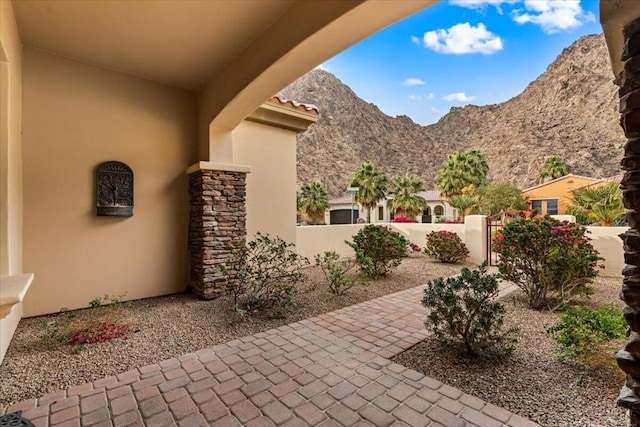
(558, 189)
(312, 240)
(606, 241)
(10, 143)
(77, 116)
(417, 233)
(315, 239)
(271, 185)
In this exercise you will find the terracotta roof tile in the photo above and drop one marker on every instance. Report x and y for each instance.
(293, 105)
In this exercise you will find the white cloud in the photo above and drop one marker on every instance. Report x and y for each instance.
(431, 95)
(481, 4)
(553, 15)
(434, 110)
(458, 97)
(413, 82)
(321, 67)
(463, 38)
(415, 97)
(416, 40)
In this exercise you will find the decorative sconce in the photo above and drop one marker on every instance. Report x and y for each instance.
(114, 189)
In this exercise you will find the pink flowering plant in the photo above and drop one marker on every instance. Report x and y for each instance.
(403, 219)
(446, 246)
(378, 249)
(551, 261)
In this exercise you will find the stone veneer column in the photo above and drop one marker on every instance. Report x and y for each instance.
(217, 229)
(629, 357)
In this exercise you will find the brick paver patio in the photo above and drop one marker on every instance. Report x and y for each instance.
(330, 370)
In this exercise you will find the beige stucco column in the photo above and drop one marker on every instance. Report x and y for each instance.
(229, 204)
(475, 237)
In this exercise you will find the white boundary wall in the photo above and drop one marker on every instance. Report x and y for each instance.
(315, 239)
(606, 241)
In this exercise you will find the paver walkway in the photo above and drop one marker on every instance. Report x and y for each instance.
(330, 370)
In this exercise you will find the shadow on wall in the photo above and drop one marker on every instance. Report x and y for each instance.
(607, 242)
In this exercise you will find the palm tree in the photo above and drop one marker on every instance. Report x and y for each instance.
(406, 202)
(460, 170)
(373, 186)
(463, 204)
(313, 201)
(598, 205)
(554, 168)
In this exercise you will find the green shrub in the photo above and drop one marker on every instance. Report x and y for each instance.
(446, 246)
(268, 271)
(551, 261)
(335, 271)
(464, 308)
(580, 329)
(378, 249)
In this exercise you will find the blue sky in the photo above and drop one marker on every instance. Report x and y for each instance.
(460, 52)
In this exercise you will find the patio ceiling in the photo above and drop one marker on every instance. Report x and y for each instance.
(178, 43)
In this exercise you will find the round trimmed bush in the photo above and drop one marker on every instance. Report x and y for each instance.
(446, 246)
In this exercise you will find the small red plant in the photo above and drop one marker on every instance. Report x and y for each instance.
(103, 332)
(414, 248)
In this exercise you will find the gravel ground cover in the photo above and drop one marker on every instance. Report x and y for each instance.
(532, 383)
(170, 326)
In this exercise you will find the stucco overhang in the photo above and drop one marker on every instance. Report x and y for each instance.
(614, 15)
(285, 114)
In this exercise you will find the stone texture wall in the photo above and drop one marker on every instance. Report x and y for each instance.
(629, 92)
(217, 229)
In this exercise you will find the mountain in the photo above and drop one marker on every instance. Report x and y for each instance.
(571, 110)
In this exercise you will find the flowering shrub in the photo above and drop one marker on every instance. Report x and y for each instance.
(446, 246)
(464, 308)
(452, 221)
(414, 248)
(403, 219)
(551, 261)
(378, 249)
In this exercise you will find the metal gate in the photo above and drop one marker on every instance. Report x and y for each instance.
(496, 223)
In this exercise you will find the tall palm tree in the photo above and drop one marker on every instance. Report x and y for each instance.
(313, 201)
(460, 170)
(463, 204)
(373, 186)
(554, 168)
(406, 202)
(598, 205)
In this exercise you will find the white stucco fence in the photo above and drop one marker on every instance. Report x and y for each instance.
(607, 242)
(315, 239)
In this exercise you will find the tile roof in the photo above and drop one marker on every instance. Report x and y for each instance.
(293, 105)
(559, 179)
(340, 200)
(431, 195)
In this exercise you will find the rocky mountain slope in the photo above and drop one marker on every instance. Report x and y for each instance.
(571, 110)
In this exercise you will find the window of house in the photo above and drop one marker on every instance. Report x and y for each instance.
(380, 213)
(552, 207)
(438, 211)
(537, 205)
(427, 211)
